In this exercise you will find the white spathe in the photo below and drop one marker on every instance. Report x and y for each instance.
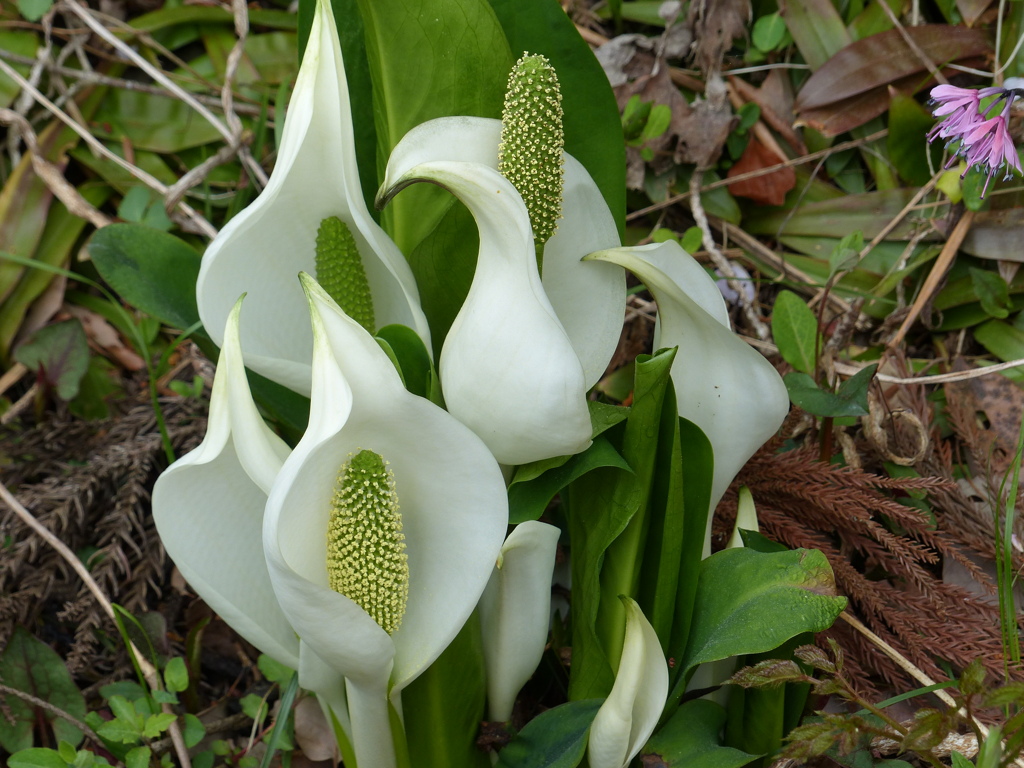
(515, 613)
(630, 714)
(263, 248)
(508, 370)
(454, 513)
(208, 509)
(588, 298)
(724, 386)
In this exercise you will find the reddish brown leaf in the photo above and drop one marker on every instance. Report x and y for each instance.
(885, 58)
(841, 116)
(769, 189)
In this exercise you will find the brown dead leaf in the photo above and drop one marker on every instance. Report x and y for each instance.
(313, 734)
(971, 10)
(769, 189)
(715, 24)
(885, 59)
(997, 404)
(102, 334)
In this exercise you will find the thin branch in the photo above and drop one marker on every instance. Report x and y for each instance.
(51, 174)
(148, 670)
(152, 182)
(53, 710)
(760, 172)
(723, 265)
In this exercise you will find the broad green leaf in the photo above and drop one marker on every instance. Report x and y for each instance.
(273, 670)
(751, 602)
(157, 724)
(31, 666)
(151, 270)
(868, 213)
(600, 505)
(690, 739)
(137, 757)
(444, 706)
(909, 149)
(22, 43)
(54, 250)
(194, 730)
(120, 731)
(59, 354)
(556, 738)
(461, 61)
(850, 400)
(34, 10)
(795, 329)
(528, 500)
(698, 463)
(36, 758)
(593, 133)
(992, 291)
(414, 361)
(176, 675)
(817, 29)
(148, 121)
(209, 14)
(769, 31)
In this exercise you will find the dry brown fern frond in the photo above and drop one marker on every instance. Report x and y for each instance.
(886, 557)
(88, 482)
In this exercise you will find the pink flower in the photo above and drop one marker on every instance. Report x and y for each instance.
(979, 139)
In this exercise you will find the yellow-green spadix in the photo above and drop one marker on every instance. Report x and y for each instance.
(448, 492)
(262, 248)
(588, 298)
(209, 511)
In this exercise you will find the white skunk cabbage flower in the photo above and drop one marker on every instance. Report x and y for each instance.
(508, 370)
(630, 713)
(208, 509)
(588, 298)
(315, 181)
(515, 613)
(722, 385)
(383, 526)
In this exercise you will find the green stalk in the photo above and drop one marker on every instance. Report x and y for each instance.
(1005, 574)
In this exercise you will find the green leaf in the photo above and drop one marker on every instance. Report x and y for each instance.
(194, 730)
(151, 270)
(751, 602)
(461, 59)
(138, 757)
(36, 758)
(600, 506)
(528, 500)
(992, 291)
(692, 239)
(909, 123)
(850, 400)
(157, 724)
(274, 671)
(556, 738)
(121, 731)
(254, 706)
(67, 752)
(593, 133)
(768, 32)
(690, 738)
(795, 329)
(31, 666)
(34, 10)
(133, 204)
(411, 354)
(59, 354)
(176, 675)
(124, 709)
(444, 706)
(959, 761)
